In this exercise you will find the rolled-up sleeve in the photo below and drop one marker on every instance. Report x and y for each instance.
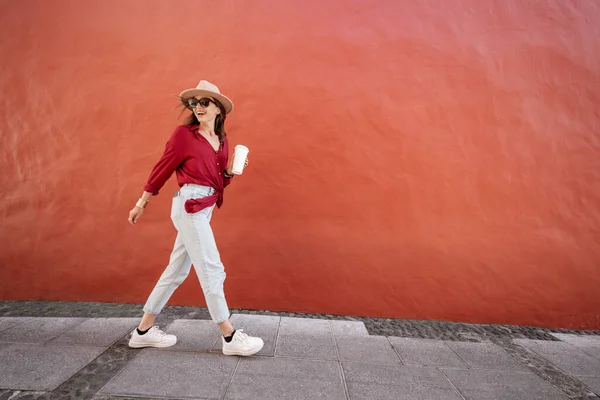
(171, 159)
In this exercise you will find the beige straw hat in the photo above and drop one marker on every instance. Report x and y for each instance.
(207, 89)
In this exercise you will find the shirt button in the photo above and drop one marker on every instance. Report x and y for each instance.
(217, 163)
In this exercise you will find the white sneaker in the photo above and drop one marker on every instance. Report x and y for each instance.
(242, 344)
(153, 338)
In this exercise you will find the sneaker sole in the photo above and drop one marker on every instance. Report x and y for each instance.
(157, 345)
(245, 354)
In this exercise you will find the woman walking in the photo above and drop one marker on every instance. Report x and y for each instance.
(198, 153)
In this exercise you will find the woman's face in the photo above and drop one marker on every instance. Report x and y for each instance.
(205, 109)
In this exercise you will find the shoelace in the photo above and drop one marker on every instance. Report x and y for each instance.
(240, 334)
(158, 331)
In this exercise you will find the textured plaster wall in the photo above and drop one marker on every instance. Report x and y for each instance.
(430, 160)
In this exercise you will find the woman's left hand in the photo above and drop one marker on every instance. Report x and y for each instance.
(230, 166)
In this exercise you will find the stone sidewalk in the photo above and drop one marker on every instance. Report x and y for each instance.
(58, 357)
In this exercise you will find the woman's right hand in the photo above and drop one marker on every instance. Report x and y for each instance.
(135, 214)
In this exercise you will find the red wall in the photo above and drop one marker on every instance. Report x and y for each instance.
(430, 160)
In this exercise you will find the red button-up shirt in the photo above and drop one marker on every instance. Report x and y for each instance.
(194, 160)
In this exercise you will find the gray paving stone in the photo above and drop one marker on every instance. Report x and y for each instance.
(589, 344)
(486, 356)
(33, 366)
(9, 322)
(305, 338)
(377, 382)
(274, 378)
(304, 326)
(263, 326)
(173, 374)
(39, 330)
(592, 351)
(348, 328)
(318, 348)
(502, 385)
(426, 352)
(567, 357)
(97, 332)
(579, 340)
(592, 382)
(193, 335)
(370, 349)
(24, 395)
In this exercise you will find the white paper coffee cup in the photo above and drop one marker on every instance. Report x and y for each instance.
(239, 158)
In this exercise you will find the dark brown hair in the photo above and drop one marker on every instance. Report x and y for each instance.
(191, 120)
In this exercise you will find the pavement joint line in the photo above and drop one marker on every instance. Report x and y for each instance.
(339, 363)
(372, 364)
(589, 354)
(276, 338)
(395, 351)
(344, 383)
(293, 358)
(21, 322)
(457, 355)
(214, 343)
(452, 384)
(231, 378)
(335, 346)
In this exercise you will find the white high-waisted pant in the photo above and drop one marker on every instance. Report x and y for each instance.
(195, 244)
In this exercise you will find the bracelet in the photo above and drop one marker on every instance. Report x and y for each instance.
(226, 175)
(141, 203)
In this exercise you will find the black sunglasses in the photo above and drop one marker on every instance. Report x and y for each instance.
(204, 102)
